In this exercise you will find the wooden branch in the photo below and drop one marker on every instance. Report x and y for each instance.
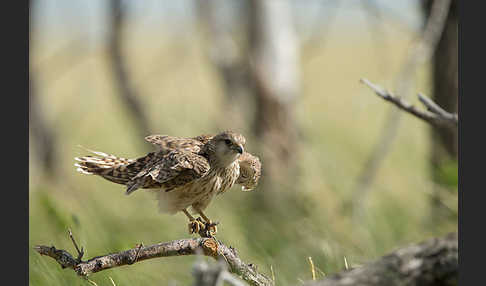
(433, 262)
(434, 114)
(433, 107)
(206, 246)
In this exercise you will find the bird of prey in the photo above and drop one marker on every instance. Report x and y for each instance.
(184, 172)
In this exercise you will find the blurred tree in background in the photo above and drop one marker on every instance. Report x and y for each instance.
(127, 92)
(445, 92)
(45, 141)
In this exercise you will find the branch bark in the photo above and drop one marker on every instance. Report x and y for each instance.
(206, 246)
(433, 262)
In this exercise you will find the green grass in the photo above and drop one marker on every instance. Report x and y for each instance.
(339, 119)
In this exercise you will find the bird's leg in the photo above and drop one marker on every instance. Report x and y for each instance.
(195, 225)
(210, 226)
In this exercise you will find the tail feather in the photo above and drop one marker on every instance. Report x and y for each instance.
(108, 166)
(116, 169)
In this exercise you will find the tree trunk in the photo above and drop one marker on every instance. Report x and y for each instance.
(275, 73)
(229, 59)
(127, 92)
(444, 147)
(44, 138)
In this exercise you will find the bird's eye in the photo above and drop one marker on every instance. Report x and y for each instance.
(227, 141)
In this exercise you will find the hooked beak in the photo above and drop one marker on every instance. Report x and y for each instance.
(239, 149)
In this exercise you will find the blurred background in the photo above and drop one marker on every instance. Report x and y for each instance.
(344, 174)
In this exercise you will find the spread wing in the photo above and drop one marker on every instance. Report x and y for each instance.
(250, 171)
(167, 143)
(171, 170)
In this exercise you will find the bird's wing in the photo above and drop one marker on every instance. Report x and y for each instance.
(250, 171)
(203, 138)
(167, 143)
(171, 170)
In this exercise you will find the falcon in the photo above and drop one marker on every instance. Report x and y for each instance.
(185, 173)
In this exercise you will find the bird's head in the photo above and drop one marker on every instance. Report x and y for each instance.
(226, 147)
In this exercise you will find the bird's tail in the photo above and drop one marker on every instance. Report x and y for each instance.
(115, 169)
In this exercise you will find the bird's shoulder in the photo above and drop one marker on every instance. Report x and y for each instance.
(166, 143)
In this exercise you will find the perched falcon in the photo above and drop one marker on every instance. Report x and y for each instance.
(184, 172)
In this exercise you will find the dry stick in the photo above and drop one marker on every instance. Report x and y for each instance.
(80, 252)
(209, 246)
(433, 107)
(418, 54)
(435, 116)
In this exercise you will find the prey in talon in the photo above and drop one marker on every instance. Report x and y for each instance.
(184, 173)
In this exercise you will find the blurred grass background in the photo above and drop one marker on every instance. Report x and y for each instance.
(339, 120)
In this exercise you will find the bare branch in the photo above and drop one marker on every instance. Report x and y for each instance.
(433, 107)
(80, 252)
(206, 246)
(433, 262)
(436, 116)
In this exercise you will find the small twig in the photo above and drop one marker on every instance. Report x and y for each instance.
(433, 107)
(112, 282)
(436, 116)
(346, 263)
(139, 246)
(80, 252)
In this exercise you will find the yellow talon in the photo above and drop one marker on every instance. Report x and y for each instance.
(195, 226)
(212, 228)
